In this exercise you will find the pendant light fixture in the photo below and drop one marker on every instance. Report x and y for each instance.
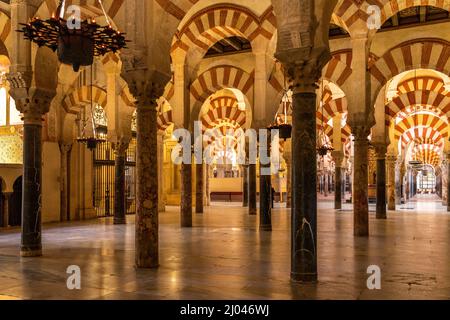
(76, 42)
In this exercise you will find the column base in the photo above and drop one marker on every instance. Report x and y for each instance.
(265, 228)
(252, 212)
(147, 265)
(337, 206)
(29, 253)
(120, 221)
(381, 216)
(361, 233)
(304, 277)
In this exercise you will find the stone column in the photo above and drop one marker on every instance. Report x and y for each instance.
(304, 171)
(186, 195)
(65, 149)
(207, 198)
(381, 181)
(6, 200)
(161, 185)
(338, 157)
(199, 188)
(391, 162)
(265, 197)
(360, 191)
(120, 151)
(245, 185)
(252, 189)
(31, 245)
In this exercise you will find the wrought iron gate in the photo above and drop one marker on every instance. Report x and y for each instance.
(104, 175)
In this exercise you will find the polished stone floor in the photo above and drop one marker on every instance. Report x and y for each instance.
(225, 256)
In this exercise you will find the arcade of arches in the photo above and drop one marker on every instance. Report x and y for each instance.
(379, 98)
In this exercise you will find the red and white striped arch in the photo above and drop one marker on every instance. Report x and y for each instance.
(212, 24)
(350, 12)
(424, 53)
(89, 8)
(425, 133)
(223, 112)
(222, 77)
(420, 100)
(428, 154)
(421, 120)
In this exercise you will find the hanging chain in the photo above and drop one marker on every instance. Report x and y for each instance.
(104, 12)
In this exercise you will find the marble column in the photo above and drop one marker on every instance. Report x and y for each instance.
(338, 157)
(381, 182)
(65, 150)
(31, 245)
(6, 200)
(265, 197)
(304, 179)
(199, 188)
(360, 192)
(252, 189)
(120, 151)
(288, 182)
(147, 224)
(245, 186)
(207, 196)
(391, 162)
(161, 185)
(186, 195)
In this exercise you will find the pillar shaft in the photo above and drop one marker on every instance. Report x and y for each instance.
(381, 189)
(289, 183)
(360, 192)
(265, 197)
(304, 197)
(199, 188)
(120, 208)
(147, 255)
(338, 189)
(186, 195)
(64, 194)
(391, 182)
(245, 186)
(252, 189)
(6, 200)
(448, 183)
(31, 245)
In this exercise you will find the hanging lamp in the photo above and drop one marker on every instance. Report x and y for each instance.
(91, 141)
(281, 120)
(323, 146)
(76, 42)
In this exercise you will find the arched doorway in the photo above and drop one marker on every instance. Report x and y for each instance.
(15, 207)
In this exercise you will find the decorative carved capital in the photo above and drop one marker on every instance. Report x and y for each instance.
(146, 86)
(121, 145)
(360, 132)
(380, 150)
(65, 147)
(338, 157)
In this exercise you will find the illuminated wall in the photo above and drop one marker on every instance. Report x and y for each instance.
(10, 149)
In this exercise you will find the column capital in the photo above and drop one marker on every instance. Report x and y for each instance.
(338, 157)
(65, 147)
(360, 131)
(380, 150)
(304, 67)
(120, 145)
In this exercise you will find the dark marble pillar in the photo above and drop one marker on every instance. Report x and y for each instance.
(391, 161)
(199, 188)
(147, 224)
(360, 192)
(245, 186)
(265, 197)
(252, 189)
(120, 208)
(381, 182)
(31, 245)
(65, 150)
(304, 196)
(448, 183)
(338, 189)
(186, 195)
(6, 200)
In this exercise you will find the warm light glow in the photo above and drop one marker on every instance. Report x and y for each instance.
(14, 115)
